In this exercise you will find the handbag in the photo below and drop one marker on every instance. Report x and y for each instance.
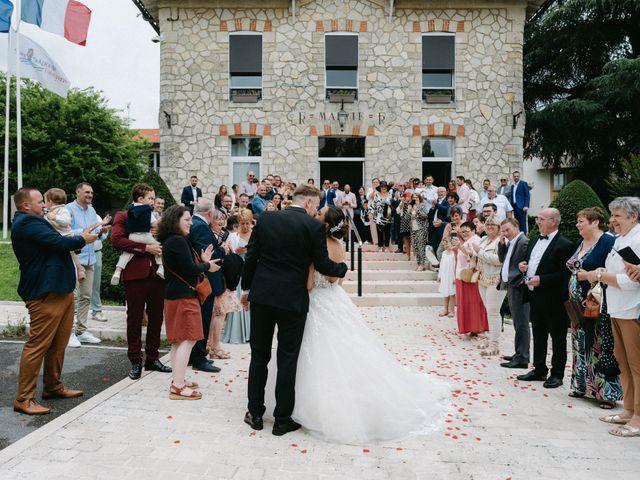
(575, 311)
(232, 270)
(592, 303)
(203, 287)
(469, 275)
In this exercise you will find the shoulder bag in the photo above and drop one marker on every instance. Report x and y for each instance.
(203, 287)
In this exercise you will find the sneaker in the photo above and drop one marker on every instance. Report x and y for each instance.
(87, 337)
(73, 341)
(99, 317)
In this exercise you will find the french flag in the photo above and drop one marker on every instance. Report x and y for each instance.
(65, 17)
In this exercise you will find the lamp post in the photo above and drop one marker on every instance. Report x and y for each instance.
(342, 116)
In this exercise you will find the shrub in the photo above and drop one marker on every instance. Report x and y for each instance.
(575, 196)
(110, 255)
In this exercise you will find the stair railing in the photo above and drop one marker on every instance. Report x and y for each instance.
(353, 236)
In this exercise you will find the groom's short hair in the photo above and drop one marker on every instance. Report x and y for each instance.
(306, 191)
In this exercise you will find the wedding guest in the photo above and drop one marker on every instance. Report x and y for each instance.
(311, 182)
(181, 306)
(259, 202)
(227, 206)
(235, 194)
(474, 200)
(429, 191)
(547, 278)
(419, 215)
(436, 219)
(158, 207)
(277, 184)
(244, 202)
(347, 201)
(502, 204)
(588, 336)
(270, 207)
(464, 195)
(382, 218)
(504, 188)
(248, 187)
(472, 316)
(277, 201)
(623, 306)
(479, 222)
(520, 200)
(326, 186)
(222, 191)
(404, 235)
(452, 186)
(190, 194)
(512, 250)
(489, 265)
(371, 192)
(447, 277)
(238, 323)
(96, 299)
(47, 281)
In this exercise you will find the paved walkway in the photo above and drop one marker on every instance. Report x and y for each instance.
(499, 428)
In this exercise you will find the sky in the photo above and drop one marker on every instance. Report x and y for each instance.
(120, 59)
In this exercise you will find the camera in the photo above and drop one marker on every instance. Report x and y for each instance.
(223, 236)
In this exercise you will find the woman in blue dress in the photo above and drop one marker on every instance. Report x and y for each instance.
(586, 338)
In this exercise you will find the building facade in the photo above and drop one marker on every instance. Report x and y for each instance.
(339, 89)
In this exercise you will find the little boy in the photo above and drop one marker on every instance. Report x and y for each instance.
(59, 216)
(140, 219)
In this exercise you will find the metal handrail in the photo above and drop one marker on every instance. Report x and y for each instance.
(352, 228)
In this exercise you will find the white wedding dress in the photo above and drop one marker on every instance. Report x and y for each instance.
(349, 387)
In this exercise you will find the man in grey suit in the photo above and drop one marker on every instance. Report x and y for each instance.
(504, 188)
(511, 255)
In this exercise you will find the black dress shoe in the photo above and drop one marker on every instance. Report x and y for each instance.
(532, 376)
(508, 358)
(207, 367)
(512, 364)
(254, 421)
(552, 382)
(136, 371)
(280, 429)
(157, 366)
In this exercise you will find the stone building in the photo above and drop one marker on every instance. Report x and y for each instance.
(339, 89)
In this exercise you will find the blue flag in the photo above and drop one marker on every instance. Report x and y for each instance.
(6, 8)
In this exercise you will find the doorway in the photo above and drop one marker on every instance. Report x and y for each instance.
(440, 171)
(343, 171)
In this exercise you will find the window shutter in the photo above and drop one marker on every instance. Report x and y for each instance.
(438, 52)
(245, 54)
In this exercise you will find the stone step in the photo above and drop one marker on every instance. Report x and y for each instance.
(387, 265)
(409, 275)
(380, 256)
(393, 286)
(397, 299)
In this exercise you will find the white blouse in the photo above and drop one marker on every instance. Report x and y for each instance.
(623, 302)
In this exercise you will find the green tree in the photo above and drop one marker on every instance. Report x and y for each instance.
(627, 183)
(575, 196)
(582, 86)
(73, 139)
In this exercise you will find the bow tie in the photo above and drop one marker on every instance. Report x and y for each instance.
(543, 237)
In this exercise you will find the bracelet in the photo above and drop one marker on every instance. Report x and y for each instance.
(598, 276)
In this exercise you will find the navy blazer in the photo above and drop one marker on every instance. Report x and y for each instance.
(43, 255)
(522, 195)
(201, 236)
(187, 196)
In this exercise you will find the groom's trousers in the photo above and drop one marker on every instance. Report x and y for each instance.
(290, 324)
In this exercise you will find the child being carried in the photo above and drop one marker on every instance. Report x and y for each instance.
(140, 219)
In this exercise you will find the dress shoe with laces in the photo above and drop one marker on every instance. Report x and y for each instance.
(507, 358)
(532, 376)
(512, 364)
(156, 366)
(280, 429)
(30, 407)
(206, 367)
(136, 371)
(552, 382)
(63, 393)
(254, 421)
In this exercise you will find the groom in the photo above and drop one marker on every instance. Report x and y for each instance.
(282, 247)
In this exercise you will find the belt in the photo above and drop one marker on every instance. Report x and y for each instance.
(96, 251)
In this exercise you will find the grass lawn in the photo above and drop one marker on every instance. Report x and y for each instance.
(9, 274)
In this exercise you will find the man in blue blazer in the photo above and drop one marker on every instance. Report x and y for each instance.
(201, 236)
(519, 198)
(47, 282)
(191, 194)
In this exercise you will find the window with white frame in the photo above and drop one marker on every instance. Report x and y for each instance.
(559, 181)
(438, 68)
(245, 67)
(246, 155)
(341, 67)
(437, 159)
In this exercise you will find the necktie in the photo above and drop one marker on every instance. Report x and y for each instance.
(543, 237)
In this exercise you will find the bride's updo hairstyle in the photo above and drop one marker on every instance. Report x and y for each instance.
(337, 225)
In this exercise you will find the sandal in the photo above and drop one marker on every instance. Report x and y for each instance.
(576, 395)
(607, 405)
(452, 314)
(443, 313)
(191, 385)
(176, 393)
(218, 353)
(490, 352)
(616, 419)
(625, 431)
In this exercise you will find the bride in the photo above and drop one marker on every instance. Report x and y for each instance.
(349, 387)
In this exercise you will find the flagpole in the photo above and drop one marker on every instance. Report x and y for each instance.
(17, 6)
(7, 120)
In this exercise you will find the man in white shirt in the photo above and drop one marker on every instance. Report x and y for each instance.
(504, 206)
(486, 183)
(511, 253)
(464, 192)
(429, 191)
(346, 200)
(248, 187)
(547, 277)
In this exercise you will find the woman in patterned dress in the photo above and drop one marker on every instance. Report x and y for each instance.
(419, 229)
(586, 339)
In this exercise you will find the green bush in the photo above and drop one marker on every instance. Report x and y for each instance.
(575, 196)
(110, 255)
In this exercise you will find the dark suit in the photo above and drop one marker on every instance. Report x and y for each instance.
(435, 233)
(201, 236)
(187, 197)
(521, 201)
(505, 190)
(282, 247)
(47, 281)
(548, 316)
(516, 292)
(143, 289)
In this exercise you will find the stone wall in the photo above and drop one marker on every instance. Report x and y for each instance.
(195, 89)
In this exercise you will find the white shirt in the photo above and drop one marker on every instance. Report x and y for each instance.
(430, 193)
(507, 258)
(248, 188)
(536, 255)
(623, 302)
(463, 194)
(513, 192)
(499, 201)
